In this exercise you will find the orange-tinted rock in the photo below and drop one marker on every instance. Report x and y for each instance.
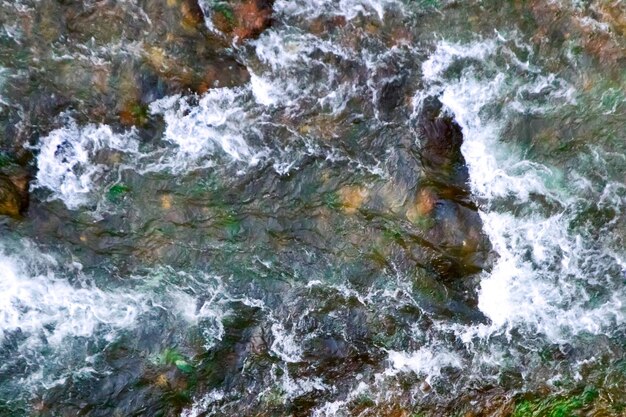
(13, 190)
(243, 19)
(600, 29)
(9, 198)
(352, 198)
(424, 206)
(426, 200)
(134, 114)
(192, 13)
(322, 24)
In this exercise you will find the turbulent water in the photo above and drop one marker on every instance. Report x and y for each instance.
(280, 247)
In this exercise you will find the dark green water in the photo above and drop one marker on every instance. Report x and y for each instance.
(269, 229)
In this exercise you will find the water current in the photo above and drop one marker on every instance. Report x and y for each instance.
(294, 243)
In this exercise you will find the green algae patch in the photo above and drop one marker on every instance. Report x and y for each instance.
(232, 225)
(225, 10)
(184, 366)
(117, 192)
(14, 408)
(558, 406)
(332, 200)
(174, 357)
(275, 397)
(5, 160)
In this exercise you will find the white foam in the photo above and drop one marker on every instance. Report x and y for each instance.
(346, 8)
(66, 160)
(290, 56)
(285, 345)
(538, 282)
(217, 123)
(46, 307)
(446, 53)
(201, 405)
(71, 168)
(294, 388)
(523, 290)
(427, 362)
(262, 90)
(51, 307)
(338, 407)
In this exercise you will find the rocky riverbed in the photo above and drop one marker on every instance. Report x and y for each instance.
(312, 208)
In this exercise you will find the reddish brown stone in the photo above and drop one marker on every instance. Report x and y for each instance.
(14, 182)
(192, 13)
(600, 29)
(244, 19)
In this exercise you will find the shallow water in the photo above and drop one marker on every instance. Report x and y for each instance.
(280, 245)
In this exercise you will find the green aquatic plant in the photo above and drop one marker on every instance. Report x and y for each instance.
(332, 200)
(611, 98)
(424, 223)
(364, 400)
(13, 408)
(141, 113)
(225, 10)
(231, 224)
(116, 192)
(172, 356)
(557, 406)
(393, 232)
(5, 160)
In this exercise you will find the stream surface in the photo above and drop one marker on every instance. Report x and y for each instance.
(284, 246)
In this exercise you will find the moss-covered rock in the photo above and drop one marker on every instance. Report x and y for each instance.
(556, 406)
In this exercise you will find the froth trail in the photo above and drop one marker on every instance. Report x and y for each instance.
(539, 282)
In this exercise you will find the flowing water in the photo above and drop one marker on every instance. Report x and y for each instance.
(273, 248)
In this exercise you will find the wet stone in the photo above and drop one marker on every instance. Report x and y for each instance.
(371, 243)
(106, 61)
(240, 20)
(10, 199)
(440, 146)
(13, 190)
(443, 207)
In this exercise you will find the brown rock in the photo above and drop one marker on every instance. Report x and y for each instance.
(441, 139)
(454, 227)
(10, 198)
(352, 198)
(600, 27)
(192, 13)
(426, 200)
(243, 19)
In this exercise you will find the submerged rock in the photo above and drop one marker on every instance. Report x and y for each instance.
(242, 19)
(105, 62)
(597, 28)
(443, 203)
(13, 190)
(440, 151)
(9, 198)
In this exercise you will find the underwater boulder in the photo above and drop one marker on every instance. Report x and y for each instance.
(13, 190)
(443, 202)
(142, 51)
(9, 198)
(440, 139)
(240, 20)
